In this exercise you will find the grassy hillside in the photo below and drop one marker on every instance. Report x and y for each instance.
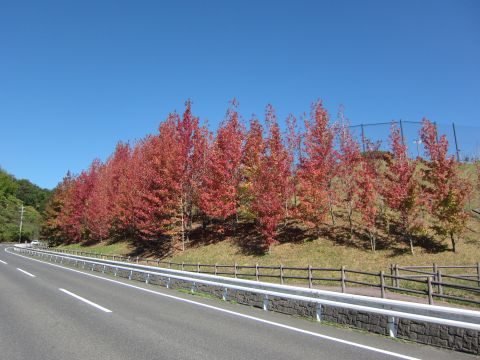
(14, 193)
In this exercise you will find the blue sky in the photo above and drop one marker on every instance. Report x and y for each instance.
(78, 76)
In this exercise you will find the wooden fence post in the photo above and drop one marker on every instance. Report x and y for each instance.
(382, 284)
(430, 290)
(343, 278)
(309, 276)
(397, 274)
(235, 270)
(478, 273)
(215, 269)
(281, 274)
(256, 271)
(439, 279)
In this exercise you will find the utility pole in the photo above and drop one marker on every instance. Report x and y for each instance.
(22, 211)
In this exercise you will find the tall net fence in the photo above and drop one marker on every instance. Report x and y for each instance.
(464, 140)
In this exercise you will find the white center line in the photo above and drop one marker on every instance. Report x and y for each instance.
(26, 272)
(86, 301)
(3, 262)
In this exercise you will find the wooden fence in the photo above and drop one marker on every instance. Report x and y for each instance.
(414, 280)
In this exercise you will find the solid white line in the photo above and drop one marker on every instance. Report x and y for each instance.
(3, 262)
(86, 301)
(272, 323)
(26, 272)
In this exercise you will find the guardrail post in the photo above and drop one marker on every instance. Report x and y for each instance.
(265, 302)
(235, 270)
(224, 294)
(147, 280)
(309, 276)
(130, 276)
(391, 327)
(439, 279)
(318, 312)
(104, 267)
(168, 283)
(116, 270)
(281, 274)
(84, 263)
(382, 284)
(256, 271)
(430, 291)
(343, 278)
(194, 285)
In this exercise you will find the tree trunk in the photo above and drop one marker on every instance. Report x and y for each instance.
(410, 240)
(332, 215)
(183, 224)
(452, 238)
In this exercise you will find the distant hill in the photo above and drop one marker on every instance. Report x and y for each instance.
(14, 193)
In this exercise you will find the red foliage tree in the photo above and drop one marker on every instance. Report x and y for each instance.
(401, 190)
(317, 168)
(73, 217)
(271, 182)
(368, 196)
(446, 193)
(349, 170)
(252, 154)
(220, 193)
(52, 228)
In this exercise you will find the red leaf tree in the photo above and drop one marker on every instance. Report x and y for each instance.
(349, 170)
(446, 193)
(368, 195)
(317, 168)
(401, 190)
(219, 196)
(271, 182)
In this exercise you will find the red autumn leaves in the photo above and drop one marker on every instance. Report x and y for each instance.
(158, 188)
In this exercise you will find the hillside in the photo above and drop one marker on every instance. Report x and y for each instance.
(14, 193)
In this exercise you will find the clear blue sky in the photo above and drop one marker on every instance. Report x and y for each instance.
(78, 76)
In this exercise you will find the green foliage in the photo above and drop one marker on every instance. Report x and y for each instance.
(14, 193)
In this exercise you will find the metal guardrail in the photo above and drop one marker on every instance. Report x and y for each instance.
(431, 285)
(393, 309)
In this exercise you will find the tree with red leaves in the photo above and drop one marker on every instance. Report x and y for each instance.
(446, 193)
(401, 190)
(252, 153)
(271, 182)
(219, 197)
(98, 205)
(349, 169)
(317, 168)
(368, 195)
(52, 227)
(73, 217)
(159, 169)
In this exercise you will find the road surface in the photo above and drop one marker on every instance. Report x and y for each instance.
(48, 311)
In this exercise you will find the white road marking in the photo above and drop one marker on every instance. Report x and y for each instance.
(3, 262)
(26, 272)
(272, 323)
(86, 301)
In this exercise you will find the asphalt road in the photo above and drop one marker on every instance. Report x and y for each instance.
(52, 312)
